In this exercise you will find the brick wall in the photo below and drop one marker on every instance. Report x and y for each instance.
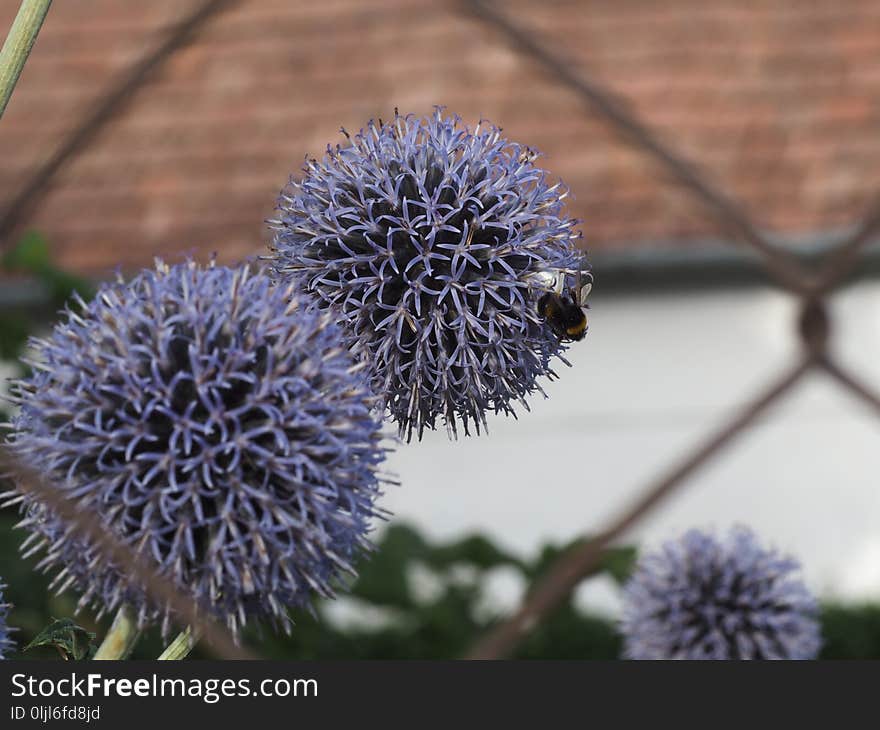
(778, 101)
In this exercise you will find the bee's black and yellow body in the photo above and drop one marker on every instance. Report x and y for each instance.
(566, 318)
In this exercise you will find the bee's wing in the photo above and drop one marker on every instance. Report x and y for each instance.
(584, 293)
(584, 287)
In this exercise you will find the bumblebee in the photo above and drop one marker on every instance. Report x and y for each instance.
(564, 307)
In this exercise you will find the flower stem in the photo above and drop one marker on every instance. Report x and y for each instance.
(121, 638)
(18, 45)
(181, 646)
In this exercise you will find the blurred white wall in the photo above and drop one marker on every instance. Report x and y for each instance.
(653, 375)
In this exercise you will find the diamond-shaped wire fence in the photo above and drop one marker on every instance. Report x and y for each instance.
(812, 290)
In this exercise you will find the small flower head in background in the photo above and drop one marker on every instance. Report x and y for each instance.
(218, 425)
(704, 598)
(6, 642)
(433, 243)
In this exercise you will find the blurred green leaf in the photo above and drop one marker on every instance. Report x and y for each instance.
(569, 634)
(619, 563)
(14, 331)
(548, 555)
(30, 255)
(474, 550)
(850, 632)
(62, 287)
(383, 577)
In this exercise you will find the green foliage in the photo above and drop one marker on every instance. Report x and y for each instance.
(619, 563)
(411, 627)
(447, 626)
(850, 632)
(70, 640)
(444, 625)
(14, 331)
(572, 635)
(383, 578)
(28, 590)
(31, 256)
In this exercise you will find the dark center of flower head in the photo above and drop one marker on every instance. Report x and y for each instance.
(218, 425)
(701, 598)
(732, 611)
(424, 236)
(440, 265)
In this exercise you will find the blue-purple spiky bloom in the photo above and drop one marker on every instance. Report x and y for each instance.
(704, 598)
(6, 642)
(214, 422)
(426, 238)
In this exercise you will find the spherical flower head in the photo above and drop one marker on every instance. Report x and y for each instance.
(704, 598)
(218, 425)
(6, 642)
(433, 242)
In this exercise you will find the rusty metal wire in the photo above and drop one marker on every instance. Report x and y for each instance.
(813, 329)
(852, 383)
(90, 527)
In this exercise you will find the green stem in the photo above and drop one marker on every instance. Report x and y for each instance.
(121, 638)
(18, 45)
(181, 646)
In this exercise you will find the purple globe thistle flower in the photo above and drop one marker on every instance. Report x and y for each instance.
(433, 243)
(703, 598)
(216, 424)
(6, 642)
